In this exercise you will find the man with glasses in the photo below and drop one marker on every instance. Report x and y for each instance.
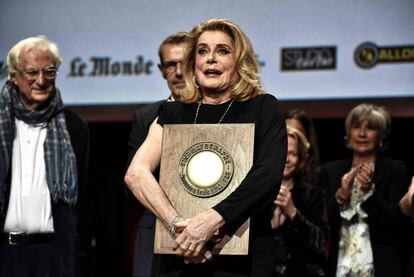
(43, 153)
(171, 53)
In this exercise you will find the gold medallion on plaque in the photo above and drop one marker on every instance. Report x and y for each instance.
(205, 169)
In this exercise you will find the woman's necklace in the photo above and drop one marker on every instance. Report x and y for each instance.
(224, 114)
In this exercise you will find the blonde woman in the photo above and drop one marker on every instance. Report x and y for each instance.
(299, 220)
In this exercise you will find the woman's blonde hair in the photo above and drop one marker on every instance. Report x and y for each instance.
(39, 42)
(248, 84)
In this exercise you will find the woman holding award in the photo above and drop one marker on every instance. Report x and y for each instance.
(223, 86)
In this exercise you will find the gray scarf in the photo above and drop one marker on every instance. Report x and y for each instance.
(60, 160)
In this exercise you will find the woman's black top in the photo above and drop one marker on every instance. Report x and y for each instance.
(254, 196)
(301, 243)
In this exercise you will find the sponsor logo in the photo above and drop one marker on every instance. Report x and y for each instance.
(367, 55)
(106, 67)
(308, 58)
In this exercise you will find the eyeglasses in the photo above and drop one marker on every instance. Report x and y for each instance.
(32, 74)
(170, 67)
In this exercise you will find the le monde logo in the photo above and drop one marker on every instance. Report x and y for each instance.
(367, 55)
(105, 67)
(101, 67)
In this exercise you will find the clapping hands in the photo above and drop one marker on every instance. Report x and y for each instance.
(362, 174)
(284, 207)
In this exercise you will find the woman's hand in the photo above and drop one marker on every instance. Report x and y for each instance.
(407, 200)
(285, 202)
(278, 218)
(343, 194)
(364, 175)
(196, 232)
(411, 189)
(205, 255)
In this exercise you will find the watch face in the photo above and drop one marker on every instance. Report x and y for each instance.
(205, 169)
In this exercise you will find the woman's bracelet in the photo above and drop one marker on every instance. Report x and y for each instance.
(171, 226)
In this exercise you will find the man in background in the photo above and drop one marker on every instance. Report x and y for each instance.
(171, 52)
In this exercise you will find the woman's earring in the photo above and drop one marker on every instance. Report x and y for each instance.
(195, 82)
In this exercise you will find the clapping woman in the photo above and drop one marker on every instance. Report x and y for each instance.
(364, 191)
(299, 219)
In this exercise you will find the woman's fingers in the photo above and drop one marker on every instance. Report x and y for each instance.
(283, 197)
(364, 176)
(188, 242)
(202, 257)
(197, 231)
(411, 189)
(181, 248)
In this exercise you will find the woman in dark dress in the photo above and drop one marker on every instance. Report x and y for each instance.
(222, 78)
(299, 219)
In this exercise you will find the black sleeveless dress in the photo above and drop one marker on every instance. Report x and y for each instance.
(254, 196)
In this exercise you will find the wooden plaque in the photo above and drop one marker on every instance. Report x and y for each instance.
(231, 143)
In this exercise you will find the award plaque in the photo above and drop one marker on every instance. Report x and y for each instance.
(201, 165)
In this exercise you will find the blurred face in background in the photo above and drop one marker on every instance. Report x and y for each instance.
(363, 140)
(171, 67)
(292, 158)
